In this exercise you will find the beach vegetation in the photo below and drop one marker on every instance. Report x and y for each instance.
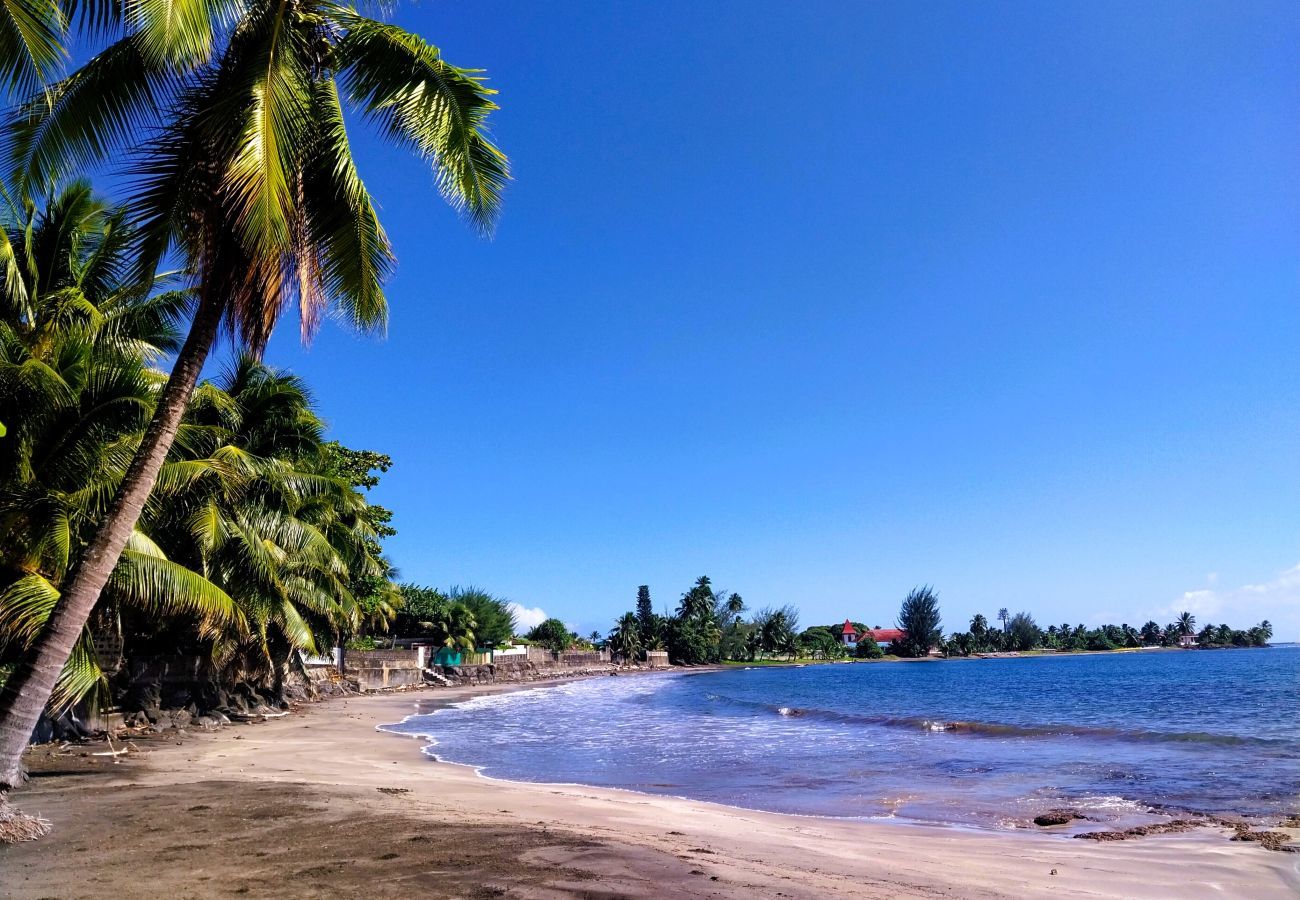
(250, 183)
(868, 649)
(1022, 632)
(625, 638)
(920, 621)
(552, 634)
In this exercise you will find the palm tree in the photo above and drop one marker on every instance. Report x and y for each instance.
(32, 38)
(253, 184)
(274, 532)
(625, 638)
(76, 338)
(1186, 624)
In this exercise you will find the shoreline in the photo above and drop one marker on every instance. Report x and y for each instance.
(1078, 824)
(288, 789)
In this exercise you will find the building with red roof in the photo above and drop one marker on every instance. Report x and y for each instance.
(850, 636)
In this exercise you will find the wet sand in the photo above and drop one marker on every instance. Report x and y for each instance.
(320, 804)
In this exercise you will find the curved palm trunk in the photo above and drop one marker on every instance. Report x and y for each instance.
(25, 694)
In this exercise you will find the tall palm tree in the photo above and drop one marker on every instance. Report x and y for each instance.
(1186, 623)
(254, 186)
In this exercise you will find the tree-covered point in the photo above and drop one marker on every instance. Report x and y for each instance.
(1021, 633)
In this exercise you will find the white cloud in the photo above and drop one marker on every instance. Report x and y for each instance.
(526, 618)
(1277, 599)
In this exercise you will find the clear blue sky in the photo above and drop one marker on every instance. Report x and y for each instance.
(827, 300)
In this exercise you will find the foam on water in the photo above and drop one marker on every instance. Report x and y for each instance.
(988, 743)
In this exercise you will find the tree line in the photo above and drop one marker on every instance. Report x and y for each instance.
(709, 627)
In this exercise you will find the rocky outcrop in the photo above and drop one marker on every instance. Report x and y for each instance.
(1057, 817)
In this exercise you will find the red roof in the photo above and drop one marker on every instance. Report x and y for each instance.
(848, 627)
(887, 634)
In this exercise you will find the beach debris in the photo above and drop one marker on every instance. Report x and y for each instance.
(1269, 840)
(1053, 872)
(1176, 826)
(393, 790)
(17, 826)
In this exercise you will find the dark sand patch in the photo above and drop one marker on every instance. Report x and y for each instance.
(287, 840)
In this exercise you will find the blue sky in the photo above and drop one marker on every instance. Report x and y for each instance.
(828, 300)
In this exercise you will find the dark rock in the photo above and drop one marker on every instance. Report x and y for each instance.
(1056, 817)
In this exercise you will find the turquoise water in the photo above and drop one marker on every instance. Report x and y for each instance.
(990, 743)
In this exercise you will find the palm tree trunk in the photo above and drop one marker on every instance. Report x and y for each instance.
(25, 694)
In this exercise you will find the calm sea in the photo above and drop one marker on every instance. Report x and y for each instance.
(980, 742)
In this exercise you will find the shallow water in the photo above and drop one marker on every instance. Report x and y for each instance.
(980, 742)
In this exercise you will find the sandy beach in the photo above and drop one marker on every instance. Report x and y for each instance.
(320, 804)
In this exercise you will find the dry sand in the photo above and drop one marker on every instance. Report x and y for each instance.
(302, 807)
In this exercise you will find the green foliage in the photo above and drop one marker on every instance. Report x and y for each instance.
(1022, 632)
(694, 635)
(495, 621)
(645, 614)
(819, 642)
(552, 634)
(625, 638)
(868, 649)
(356, 467)
(919, 618)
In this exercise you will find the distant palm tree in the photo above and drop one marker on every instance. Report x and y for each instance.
(1003, 617)
(1186, 624)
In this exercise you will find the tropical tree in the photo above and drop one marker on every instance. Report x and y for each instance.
(1150, 633)
(1186, 624)
(420, 607)
(778, 630)
(77, 336)
(253, 185)
(695, 633)
(919, 619)
(625, 638)
(552, 634)
(645, 613)
(1022, 632)
(494, 622)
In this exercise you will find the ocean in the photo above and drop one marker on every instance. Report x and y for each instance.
(1124, 738)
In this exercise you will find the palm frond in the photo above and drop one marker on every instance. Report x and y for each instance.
(402, 82)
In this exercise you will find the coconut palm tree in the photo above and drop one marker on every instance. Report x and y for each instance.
(625, 637)
(280, 537)
(76, 339)
(252, 183)
(1186, 624)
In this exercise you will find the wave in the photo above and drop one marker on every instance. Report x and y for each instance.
(1005, 729)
